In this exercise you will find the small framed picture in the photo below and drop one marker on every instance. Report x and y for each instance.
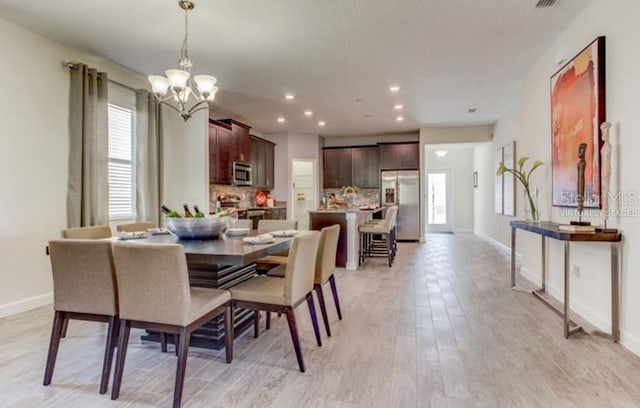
(475, 179)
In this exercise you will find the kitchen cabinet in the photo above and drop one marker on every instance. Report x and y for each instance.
(365, 167)
(399, 156)
(262, 161)
(239, 143)
(220, 165)
(337, 167)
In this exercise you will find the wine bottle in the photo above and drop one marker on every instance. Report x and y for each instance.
(187, 213)
(169, 212)
(199, 214)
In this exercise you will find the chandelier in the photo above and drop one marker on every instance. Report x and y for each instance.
(176, 88)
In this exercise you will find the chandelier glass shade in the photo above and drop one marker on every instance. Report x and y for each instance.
(176, 88)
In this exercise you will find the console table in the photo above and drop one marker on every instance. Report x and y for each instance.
(551, 230)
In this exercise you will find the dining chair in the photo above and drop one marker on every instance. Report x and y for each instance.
(84, 288)
(272, 294)
(135, 226)
(379, 239)
(95, 232)
(154, 294)
(279, 258)
(324, 272)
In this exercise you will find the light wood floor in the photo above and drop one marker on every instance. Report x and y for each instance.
(441, 328)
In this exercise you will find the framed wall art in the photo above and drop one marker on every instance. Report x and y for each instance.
(577, 110)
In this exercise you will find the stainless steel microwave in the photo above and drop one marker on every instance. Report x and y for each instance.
(241, 174)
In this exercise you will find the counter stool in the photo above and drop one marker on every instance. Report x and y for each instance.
(379, 239)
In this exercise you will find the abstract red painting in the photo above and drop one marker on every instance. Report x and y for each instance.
(577, 110)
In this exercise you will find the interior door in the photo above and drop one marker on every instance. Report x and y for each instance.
(439, 201)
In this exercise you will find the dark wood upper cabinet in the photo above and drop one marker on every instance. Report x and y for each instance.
(365, 167)
(239, 144)
(337, 167)
(220, 164)
(399, 156)
(262, 162)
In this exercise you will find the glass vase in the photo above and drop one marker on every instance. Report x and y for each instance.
(350, 199)
(532, 204)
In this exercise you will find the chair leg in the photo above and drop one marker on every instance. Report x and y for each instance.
(175, 343)
(323, 308)
(183, 352)
(54, 343)
(256, 324)
(65, 325)
(163, 342)
(123, 342)
(334, 292)
(229, 334)
(389, 250)
(108, 353)
(267, 324)
(291, 320)
(314, 318)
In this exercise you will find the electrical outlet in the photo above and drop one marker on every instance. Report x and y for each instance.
(576, 271)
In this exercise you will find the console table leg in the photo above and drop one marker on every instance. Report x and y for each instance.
(615, 292)
(513, 257)
(566, 290)
(543, 286)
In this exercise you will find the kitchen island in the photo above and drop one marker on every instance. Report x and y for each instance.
(349, 221)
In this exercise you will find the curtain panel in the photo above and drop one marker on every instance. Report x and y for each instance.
(148, 157)
(88, 185)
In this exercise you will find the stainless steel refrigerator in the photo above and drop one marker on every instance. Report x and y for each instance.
(402, 188)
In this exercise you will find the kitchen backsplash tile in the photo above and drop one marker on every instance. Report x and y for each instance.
(366, 196)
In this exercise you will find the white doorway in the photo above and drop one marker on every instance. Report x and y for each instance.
(303, 176)
(439, 201)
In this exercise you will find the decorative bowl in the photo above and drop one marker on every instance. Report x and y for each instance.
(196, 228)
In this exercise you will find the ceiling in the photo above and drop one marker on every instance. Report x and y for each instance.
(338, 57)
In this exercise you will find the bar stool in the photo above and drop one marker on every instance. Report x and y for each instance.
(379, 239)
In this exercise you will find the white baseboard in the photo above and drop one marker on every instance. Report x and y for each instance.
(630, 342)
(23, 305)
(499, 244)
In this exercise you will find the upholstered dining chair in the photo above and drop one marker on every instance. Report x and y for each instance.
(135, 226)
(272, 294)
(154, 294)
(279, 258)
(84, 288)
(324, 272)
(95, 232)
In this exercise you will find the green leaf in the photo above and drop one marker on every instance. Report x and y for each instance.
(522, 161)
(501, 169)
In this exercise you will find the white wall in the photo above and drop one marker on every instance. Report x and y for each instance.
(33, 158)
(460, 161)
(529, 124)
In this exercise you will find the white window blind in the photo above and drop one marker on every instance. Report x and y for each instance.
(121, 164)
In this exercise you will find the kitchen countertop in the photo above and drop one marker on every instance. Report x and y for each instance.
(344, 210)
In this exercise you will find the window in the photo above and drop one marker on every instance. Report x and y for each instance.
(121, 164)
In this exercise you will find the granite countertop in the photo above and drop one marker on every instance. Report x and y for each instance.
(344, 210)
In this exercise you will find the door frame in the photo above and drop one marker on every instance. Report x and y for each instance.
(449, 226)
(316, 184)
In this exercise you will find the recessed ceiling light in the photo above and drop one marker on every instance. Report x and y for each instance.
(398, 106)
(321, 123)
(308, 113)
(394, 88)
(281, 119)
(441, 153)
(358, 100)
(400, 118)
(367, 115)
(472, 110)
(289, 97)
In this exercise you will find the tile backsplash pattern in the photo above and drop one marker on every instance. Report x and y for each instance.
(246, 195)
(366, 196)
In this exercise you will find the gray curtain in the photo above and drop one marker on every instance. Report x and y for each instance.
(88, 186)
(148, 157)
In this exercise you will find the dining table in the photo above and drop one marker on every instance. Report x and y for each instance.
(220, 263)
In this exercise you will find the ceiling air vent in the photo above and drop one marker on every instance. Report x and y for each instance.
(545, 3)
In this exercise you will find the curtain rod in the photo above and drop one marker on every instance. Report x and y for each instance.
(74, 65)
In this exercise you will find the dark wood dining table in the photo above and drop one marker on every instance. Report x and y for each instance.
(220, 263)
